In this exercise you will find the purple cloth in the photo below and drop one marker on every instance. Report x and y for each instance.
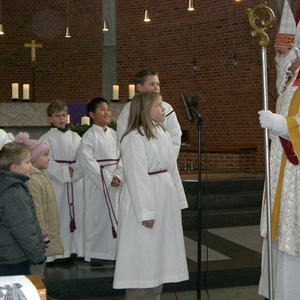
(76, 111)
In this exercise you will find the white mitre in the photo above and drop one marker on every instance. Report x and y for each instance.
(287, 30)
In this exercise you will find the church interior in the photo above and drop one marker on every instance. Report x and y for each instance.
(76, 50)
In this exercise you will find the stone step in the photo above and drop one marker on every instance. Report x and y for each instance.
(224, 186)
(222, 217)
(225, 200)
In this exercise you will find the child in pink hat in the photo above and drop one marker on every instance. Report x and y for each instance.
(43, 196)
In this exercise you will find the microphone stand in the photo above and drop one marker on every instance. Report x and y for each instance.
(199, 208)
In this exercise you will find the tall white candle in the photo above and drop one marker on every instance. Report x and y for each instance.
(131, 91)
(85, 120)
(15, 90)
(68, 119)
(115, 92)
(26, 91)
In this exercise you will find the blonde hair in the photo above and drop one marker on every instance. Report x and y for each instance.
(56, 106)
(139, 115)
(12, 153)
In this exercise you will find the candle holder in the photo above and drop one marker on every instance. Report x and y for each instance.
(26, 100)
(14, 99)
(115, 100)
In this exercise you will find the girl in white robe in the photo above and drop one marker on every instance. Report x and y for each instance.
(66, 178)
(99, 158)
(150, 248)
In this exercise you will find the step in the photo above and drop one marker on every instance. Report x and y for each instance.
(225, 200)
(78, 280)
(224, 186)
(222, 218)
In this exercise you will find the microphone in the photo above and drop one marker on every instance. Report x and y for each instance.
(187, 109)
(193, 110)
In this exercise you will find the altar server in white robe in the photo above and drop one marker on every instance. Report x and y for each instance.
(150, 248)
(284, 129)
(148, 81)
(100, 160)
(66, 178)
(5, 138)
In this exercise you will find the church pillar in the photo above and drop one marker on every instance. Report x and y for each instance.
(109, 55)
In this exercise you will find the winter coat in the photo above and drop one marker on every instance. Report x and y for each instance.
(20, 234)
(42, 192)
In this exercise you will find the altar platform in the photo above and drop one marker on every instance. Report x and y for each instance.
(231, 246)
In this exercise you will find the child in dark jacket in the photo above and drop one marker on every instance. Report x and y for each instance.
(21, 241)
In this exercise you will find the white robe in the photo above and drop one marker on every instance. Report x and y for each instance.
(171, 123)
(97, 144)
(149, 257)
(5, 138)
(286, 248)
(64, 147)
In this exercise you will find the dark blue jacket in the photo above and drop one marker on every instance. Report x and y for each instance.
(20, 234)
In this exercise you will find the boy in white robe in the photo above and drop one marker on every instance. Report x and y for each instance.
(150, 243)
(66, 178)
(148, 81)
(99, 158)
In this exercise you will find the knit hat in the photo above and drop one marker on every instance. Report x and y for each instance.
(285, 36)
(37, 148)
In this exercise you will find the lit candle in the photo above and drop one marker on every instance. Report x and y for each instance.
(25, 91)
(68, 119)
(131, 91)
(115, 92)
(85, 121)
(15, 90)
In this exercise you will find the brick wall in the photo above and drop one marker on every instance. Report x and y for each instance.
(193, 51)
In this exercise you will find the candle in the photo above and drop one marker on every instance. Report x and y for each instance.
(115, 92)
(15, 90)
(131, 91)
(68, 119)
(85, 121)
(25, 91)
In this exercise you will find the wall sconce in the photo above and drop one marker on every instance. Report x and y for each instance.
(68, 35)
(1, 12)
(105, 26)
(191, 6)
(146, 17)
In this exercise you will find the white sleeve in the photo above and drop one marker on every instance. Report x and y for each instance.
(122, 121)
(56, 171)
(173, 128)
(136, 171)
(5, 138)
(89, 164)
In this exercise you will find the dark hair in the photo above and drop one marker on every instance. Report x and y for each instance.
(92, 105)
(141, 76)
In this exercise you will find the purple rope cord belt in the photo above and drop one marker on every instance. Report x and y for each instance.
(111, 212)
(158, 172)
(70, 203)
